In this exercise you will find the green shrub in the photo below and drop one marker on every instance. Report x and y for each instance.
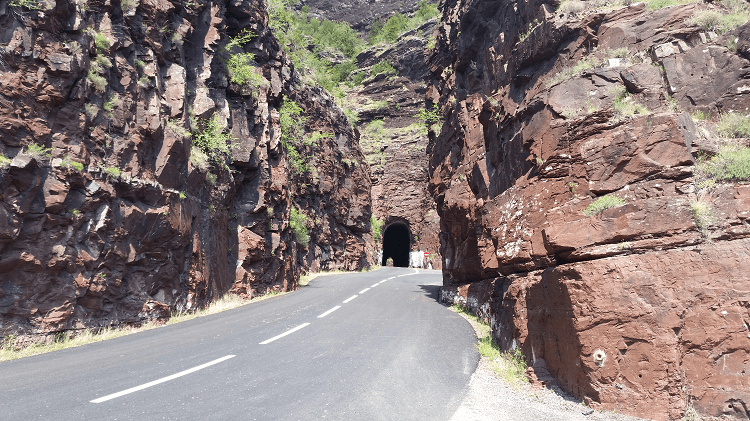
(428, 118)
(4, 162)
(621, 52)
(112, 103)
(298, 224)
(390, 30)
(699, 115)
(397, 24)
(735, 6)
(27, 4)
(69, 163)
(377, 228)
(144, 81)
(660, 4)
(624, 105)
(128, 5)
(99, 82)
(305, 40)
(292, 123)
(383, 67)
(92, 110)
(113, 172)
(102, 43)
(713, 20)
(214, 141)
(732, 163)
(176, 126)
(734, 125)
(566, 73)
(38, 152)
(602, 203)
(238, 64)
(104, 62)
(73, 47)
(571, 6)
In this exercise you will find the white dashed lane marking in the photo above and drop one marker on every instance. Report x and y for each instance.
(162, 380)
(329, 312)
(268, 341)
(364, 290)
(349, 299)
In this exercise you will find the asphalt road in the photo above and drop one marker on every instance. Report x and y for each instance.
(390, 353)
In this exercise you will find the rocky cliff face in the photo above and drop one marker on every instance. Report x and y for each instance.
(360, 14)
(642, 307)
(118, 225)
(394, 140)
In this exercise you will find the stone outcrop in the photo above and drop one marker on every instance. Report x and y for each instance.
(638, 308)
(118, 225)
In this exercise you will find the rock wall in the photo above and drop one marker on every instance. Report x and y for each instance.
(637, 308)
(118, 225)
(394, 140)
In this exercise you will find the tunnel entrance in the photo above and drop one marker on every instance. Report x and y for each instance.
(397, 244)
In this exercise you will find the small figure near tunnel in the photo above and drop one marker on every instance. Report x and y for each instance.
(397, 244)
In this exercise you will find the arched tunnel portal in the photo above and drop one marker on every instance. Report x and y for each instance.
(397, 244)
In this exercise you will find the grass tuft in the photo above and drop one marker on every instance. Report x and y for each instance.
(38, 152)
(734, 125)
(602, 203)
(10, 351)
(507, 365)
(660, 4)
(732, 163)
(4, 162)
(584, 64)
(704, 216)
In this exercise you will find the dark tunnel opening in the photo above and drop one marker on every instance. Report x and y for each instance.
(396, 244)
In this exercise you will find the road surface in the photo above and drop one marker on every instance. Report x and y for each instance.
(364, 346)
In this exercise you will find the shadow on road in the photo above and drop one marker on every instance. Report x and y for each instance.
(431, 291)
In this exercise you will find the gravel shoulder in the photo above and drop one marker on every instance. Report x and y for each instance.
(490, 398)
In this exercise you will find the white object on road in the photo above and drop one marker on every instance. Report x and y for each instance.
(364, 290)
(162, 380)
(350, 298)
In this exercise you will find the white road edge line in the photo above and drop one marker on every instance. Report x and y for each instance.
(162, 380)
(290, 331)
(364, 290)
(329, 312)
(350, 298)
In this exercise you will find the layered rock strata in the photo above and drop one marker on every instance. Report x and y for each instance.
(118, 225)
(639, 308)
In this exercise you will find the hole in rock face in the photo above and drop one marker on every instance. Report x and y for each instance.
(396, 244)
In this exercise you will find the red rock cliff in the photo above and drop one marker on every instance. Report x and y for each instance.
(642, 307)
(118, 225)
